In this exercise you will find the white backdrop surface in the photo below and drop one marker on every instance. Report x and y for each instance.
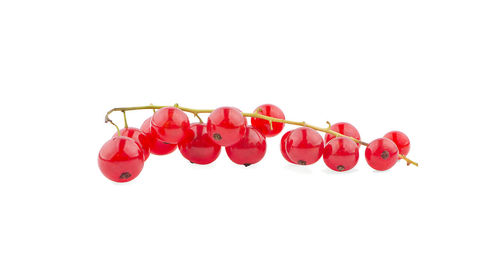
(427, 68)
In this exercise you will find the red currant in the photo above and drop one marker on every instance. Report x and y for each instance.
(121, 159)
(250, 149)
(263, 125)
(198, 147)
(283, 147)
(341, 154)
(381, 154)
(343, 128)
(304, 146)
(139, 137)
(156, 146)
(401, 140)
(169, 124)
(226, 126)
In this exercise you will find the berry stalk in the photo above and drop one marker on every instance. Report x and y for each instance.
(196, 113)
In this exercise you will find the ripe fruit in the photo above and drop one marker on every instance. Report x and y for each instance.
(263, 125)
(156, 146)
(343, 128)
(381, 154)
(401, 140)
(121, 159)
(341, 154)
(304, 146)
(169, 125)
(198, 147)
(283, 147)
(139, 137)
(226, 126)
(250, 149)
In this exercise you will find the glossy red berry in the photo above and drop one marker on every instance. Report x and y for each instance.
(381, 154)
(250, 149)
(198, 147)
(401, 140)
(169, 124)
(121, 159)
(138, 136)
(343, 128)
(156, 146)
(283, 147)
(226, 126)
(341, 154)
(304, 146)
(263, 125)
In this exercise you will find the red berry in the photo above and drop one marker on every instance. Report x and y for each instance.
(283, 147)
(263, 125)
(341, 154)
(401, 140)
(121, 159)
(198, 147)
(226, 126)
(156, 146)
(381, 154)
(169, 125)
(343, 128)
(304, 146)
(138, 136)
(250, 149)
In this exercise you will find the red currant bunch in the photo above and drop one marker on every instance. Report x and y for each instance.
(122, 158)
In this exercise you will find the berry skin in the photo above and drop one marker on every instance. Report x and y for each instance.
(263, 125)
(341, 154)
(121, 159)
(381, 154)
(283, 147)
(156, 146)
(226, 126)
(169, 125)
(198, 147)
(139, 137)
(250, 149)
(401, 140)
(304, 146)
(343, 128)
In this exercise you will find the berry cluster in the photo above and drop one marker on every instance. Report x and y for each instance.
(122, 158)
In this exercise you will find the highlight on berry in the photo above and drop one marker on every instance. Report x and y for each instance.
(122, 158)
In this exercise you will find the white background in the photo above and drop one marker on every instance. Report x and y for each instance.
(428, 68)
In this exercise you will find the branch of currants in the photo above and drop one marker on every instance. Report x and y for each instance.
(196, 113)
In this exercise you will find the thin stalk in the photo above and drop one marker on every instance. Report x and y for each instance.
(125, 119)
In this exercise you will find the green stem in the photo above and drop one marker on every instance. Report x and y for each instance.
(125, 119)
